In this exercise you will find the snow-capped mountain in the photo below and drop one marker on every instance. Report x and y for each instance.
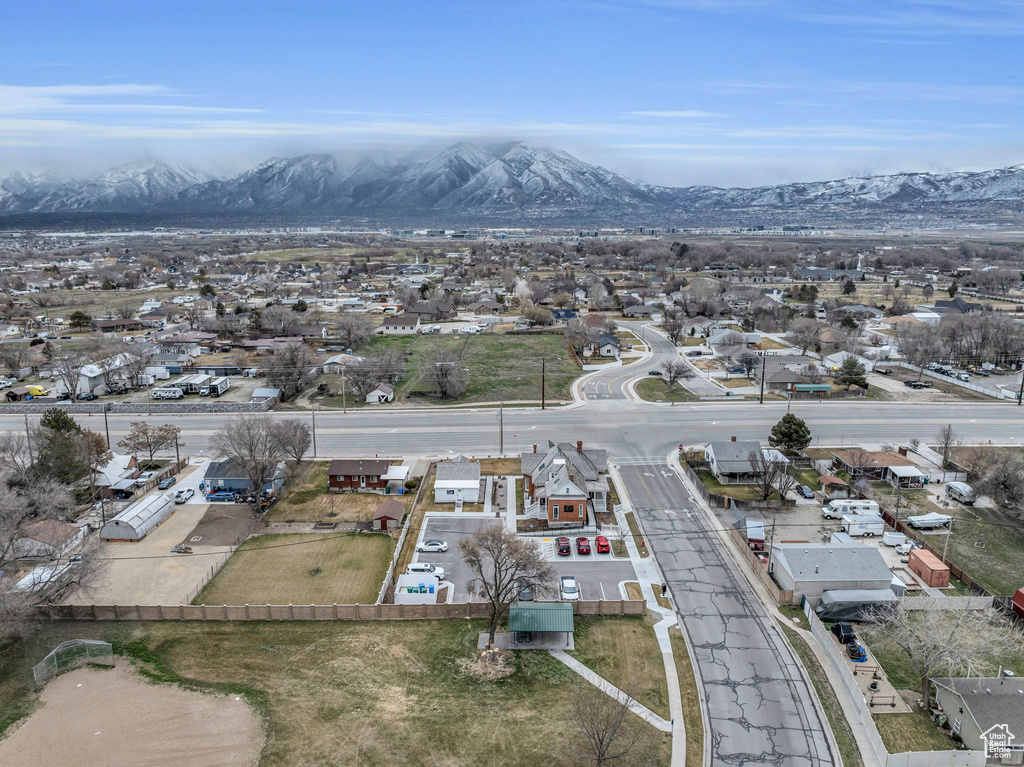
(469, 180)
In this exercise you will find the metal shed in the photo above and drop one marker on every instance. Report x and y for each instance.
(135, 522)
(541, 624)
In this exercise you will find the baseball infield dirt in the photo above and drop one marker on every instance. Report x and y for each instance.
(113, 717)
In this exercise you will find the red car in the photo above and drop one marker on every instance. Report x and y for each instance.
(562, 547)
(602, 545)
(582, 546)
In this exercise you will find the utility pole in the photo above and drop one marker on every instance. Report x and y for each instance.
(28, 440)
(314, 431)
(177, 455)
(764, 362)
(501, 428)
(543, 360)
(149, 400)
(106, 423)
(344, 403)
(946, 544)
(1020, 394)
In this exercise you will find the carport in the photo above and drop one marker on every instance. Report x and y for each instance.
(540, 625)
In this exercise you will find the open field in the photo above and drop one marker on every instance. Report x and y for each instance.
(625, 652)
(320, 569)
(83, 714)
(308, 500)
(497, 367)
(369, 694)
(654, 389)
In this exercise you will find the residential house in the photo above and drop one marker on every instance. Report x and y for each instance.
(831, 275)
(457, 481)
(402, 324)
(380, 394)
(117, 326)
(566, 484)
(429, 311)
(879, 465)
(811, 569)
(985, 711)
(563, 315)
(119, 468)
(858, 312)
(228, 475)
(367, 475)
(47, 539)
(956, 306)
(486, 306)
(730, 461)
(727, 337)
(606, 345)
(335, 363)
(835, 361)
(643, 311)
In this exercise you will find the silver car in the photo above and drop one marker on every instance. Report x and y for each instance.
(570, 589)
(433, 546)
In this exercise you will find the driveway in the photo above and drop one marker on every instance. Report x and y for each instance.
(759, 707)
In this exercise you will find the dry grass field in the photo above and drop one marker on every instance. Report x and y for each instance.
(500, 466)
(321, 569)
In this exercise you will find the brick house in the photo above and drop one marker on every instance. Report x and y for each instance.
(366, 475)
(565, 484)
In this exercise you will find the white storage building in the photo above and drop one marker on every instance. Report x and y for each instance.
(135, 522)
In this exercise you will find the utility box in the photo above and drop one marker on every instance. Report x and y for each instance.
(929, 568)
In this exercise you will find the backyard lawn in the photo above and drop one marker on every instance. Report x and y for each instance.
(308, 500)
(654, 389)
(739, 492)
(501, 466)
(372, 693)
(302, 569)
(911, 732)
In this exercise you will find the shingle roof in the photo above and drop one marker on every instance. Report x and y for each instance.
(733, 457)
(348, 468)
(991, 700)
(390, 509)
(449, 470)
(831, 561)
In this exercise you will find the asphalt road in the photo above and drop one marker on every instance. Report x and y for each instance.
(631, 431)
(759, 707)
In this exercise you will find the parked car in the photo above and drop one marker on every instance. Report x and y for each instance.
(884, 371)
(184, 494)
(654, 372)
(433, 546)
(602, 545)
(805, 491)
(844, 632)
(87, 396)
(145, 476)
(166, 483)
(737, 369)
(570, 589)
(422, 568)
(526, 595)
(582, 545)
(963, 376)
(61, 396)
(563, 547)
(695, 354)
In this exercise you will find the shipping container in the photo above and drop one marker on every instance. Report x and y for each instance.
(929, 568)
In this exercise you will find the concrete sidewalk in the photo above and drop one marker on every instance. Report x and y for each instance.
(614, 692)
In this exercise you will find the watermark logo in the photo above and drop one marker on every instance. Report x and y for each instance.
(997, 741)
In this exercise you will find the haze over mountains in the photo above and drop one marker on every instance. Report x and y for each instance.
(466, 180)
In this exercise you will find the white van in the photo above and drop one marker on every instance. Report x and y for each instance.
(422, 568)
(962, 492)
(836, 509)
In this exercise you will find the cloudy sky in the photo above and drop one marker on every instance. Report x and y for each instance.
(678, 92)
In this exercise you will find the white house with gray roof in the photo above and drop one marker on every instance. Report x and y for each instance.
(730, 461)
(457, 480)
(810, 569)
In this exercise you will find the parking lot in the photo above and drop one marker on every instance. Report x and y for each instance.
(599, 575)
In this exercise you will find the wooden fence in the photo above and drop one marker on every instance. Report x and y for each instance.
(781, 596)
(724, 501)
(377, 612)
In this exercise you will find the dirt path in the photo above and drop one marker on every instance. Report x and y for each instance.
(95, 717)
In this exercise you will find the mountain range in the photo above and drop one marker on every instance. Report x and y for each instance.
(466, 180)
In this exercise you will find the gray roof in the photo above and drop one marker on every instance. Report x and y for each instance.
(991, 700)
(733, 457)
(831, 562)
(458, 470)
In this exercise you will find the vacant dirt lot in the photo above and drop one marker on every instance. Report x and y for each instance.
(147, 573)
(321, 569)
(112, 717)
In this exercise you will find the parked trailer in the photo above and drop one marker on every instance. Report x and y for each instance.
(215, 388)
(167, 392)
(962, 492)
(867, 525)
(839, 508)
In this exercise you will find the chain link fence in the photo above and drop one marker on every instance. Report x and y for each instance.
(70, 655)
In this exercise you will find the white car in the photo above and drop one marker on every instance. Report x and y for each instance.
(145, 476)
(422, 568)
(184, 494)
(433, 546)
(570, 589)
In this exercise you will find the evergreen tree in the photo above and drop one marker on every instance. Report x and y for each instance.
(849, 288)
(851, 373)
(791, 433)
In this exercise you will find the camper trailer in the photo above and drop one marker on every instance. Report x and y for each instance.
(840, 507)
(961, 492)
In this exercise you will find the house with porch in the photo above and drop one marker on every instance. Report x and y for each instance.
(730, 461)
(566, 484)
(880, 466)
(366, 475)
(457, 481)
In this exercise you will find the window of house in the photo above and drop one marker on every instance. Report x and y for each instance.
(554, 511)
(373, 479)
(451, 492)
(568, 508)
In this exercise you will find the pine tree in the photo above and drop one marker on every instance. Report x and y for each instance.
(791, 433)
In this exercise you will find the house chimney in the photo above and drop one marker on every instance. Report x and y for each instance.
(572, 477)
(535, 447)
(579, 445)
(733, 439)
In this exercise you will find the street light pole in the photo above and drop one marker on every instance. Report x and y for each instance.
(764, 362)
(501, 428)
(543, 361)
(106, 423)
(314, 432)
(344, 404)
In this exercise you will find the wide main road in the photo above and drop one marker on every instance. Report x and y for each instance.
(759, 707)
(629, 430)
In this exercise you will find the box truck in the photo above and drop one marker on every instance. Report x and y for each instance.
(867, 525)
(840, 507)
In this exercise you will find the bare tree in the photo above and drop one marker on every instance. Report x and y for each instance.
(947, 439)
(673, 325)
(149, 438)
(805, 333)
(290, 368)
(353, 330)
(607, 732)
(249, 442)
(293, 438)
(676, 371)
(66, 366)
(770, 475)
(959, 641)
(193, 315)
(812, 373)
(445, 372)
(749, 362)
(503, 564)
(579, 334)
